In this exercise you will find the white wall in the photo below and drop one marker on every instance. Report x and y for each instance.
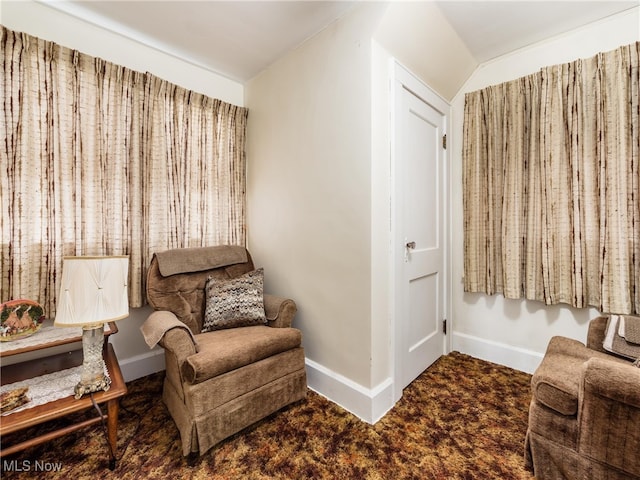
(45, 22)
(309, 174)
(516, 332)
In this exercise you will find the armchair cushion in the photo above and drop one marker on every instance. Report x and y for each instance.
(182, 292)
(225, 350)
(234, 302)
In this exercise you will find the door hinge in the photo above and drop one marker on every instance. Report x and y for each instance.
(444, 141)
(444, 326)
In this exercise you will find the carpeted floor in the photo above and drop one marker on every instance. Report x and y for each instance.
(463, 418)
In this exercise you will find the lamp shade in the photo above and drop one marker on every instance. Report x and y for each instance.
(93, 291)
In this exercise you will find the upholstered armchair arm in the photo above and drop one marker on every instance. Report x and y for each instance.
(596, 334)
(616, 381)
(163, 328)
(609, 408)
(279, 310)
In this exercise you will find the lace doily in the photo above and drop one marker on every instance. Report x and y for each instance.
(47, 388)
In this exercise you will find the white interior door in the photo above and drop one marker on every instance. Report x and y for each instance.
(419, 224)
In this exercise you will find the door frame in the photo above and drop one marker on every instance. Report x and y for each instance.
(403, 79)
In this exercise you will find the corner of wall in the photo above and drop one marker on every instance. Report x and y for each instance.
(368, 404)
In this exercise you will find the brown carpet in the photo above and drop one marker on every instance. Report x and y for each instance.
(463, 418)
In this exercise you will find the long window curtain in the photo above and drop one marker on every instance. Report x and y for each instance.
(98, 159)
(551, 185)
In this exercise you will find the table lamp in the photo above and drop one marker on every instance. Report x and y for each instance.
(93, 291)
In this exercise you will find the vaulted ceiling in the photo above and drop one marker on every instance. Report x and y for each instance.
(238, 39)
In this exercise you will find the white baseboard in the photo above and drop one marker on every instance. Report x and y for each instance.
(367, 404)
(496, 352)
(142, 365)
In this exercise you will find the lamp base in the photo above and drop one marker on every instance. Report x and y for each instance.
(92, 378)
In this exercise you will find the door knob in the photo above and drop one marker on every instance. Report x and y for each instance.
(411, 245)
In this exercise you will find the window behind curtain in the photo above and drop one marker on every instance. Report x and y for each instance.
(98, 159)
(552, 185)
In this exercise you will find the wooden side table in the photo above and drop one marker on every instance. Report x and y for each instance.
(31, 370)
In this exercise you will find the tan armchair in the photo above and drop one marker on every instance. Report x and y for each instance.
(220, 381)
(584, 417)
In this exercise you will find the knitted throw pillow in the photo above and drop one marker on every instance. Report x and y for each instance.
(235, 302)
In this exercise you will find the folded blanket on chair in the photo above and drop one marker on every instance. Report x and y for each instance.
(622, 336)
(630, 328)
(159, 323)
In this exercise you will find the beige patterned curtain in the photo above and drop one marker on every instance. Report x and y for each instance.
(551, 183)
(98, 159)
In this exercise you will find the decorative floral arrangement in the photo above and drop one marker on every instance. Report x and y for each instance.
(20, 318)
